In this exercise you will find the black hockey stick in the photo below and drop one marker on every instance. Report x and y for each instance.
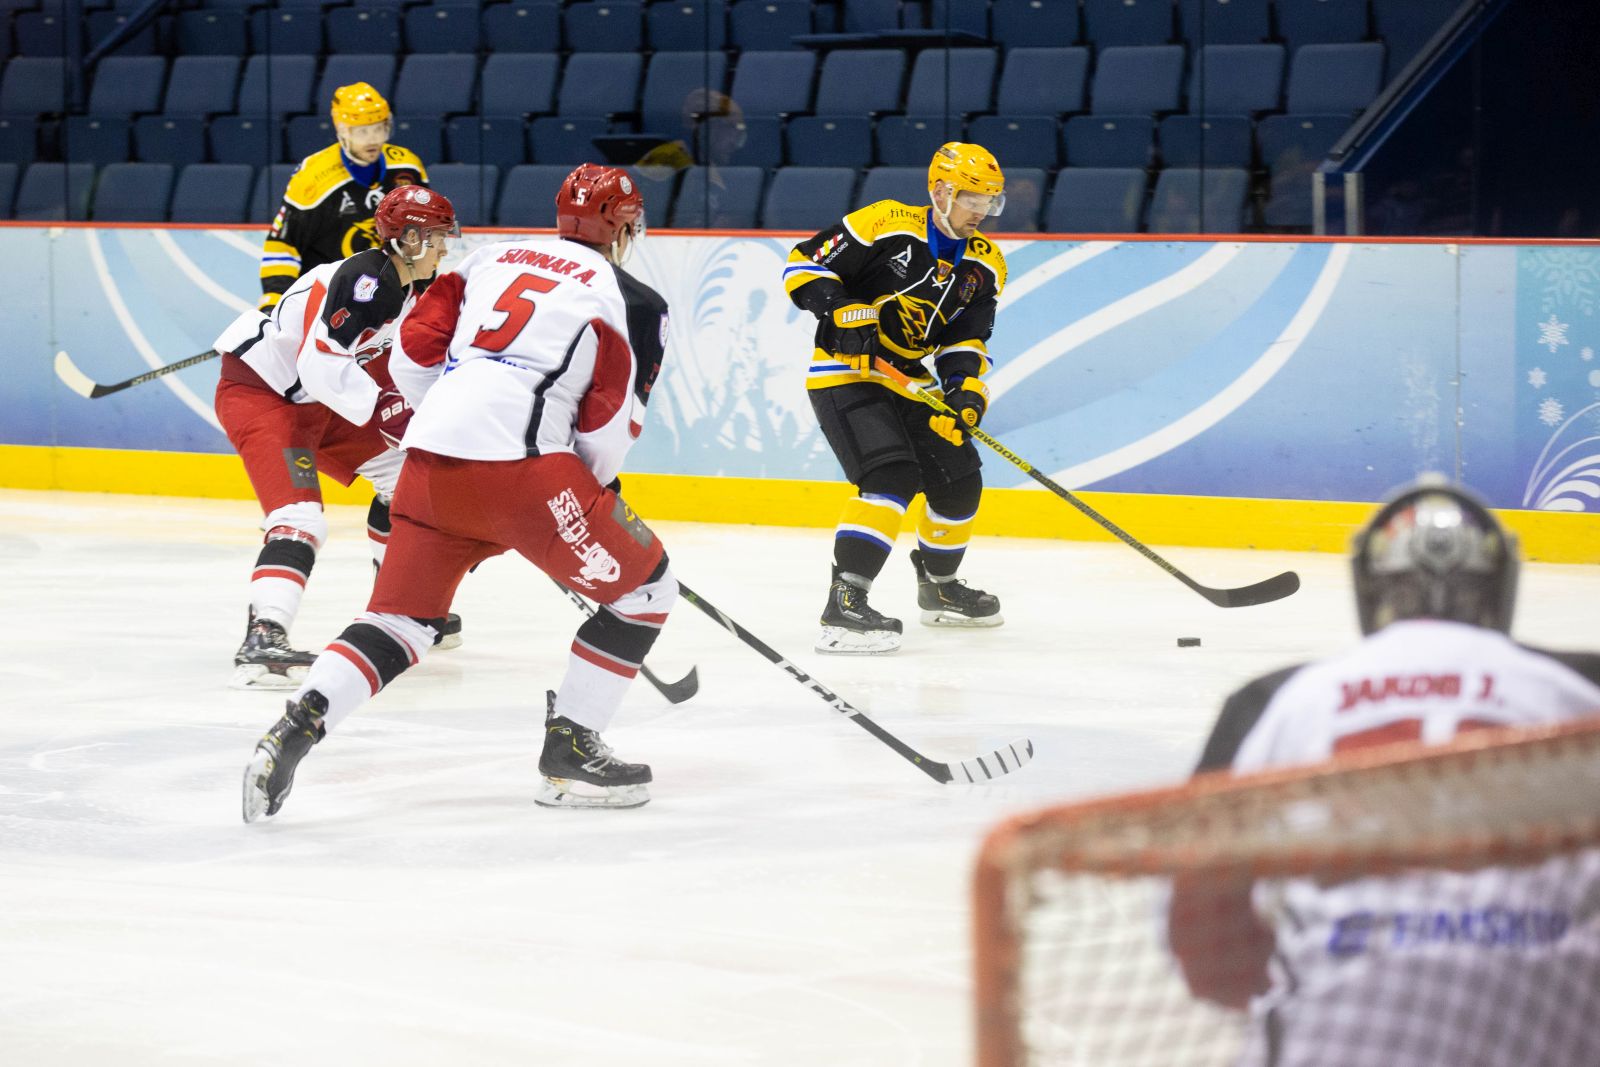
(675, 692)
(85, 386)
(978, 769)
(1275, 588)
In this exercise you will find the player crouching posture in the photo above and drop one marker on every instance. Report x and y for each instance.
(306, 388)
(536, 359)
(901, 284)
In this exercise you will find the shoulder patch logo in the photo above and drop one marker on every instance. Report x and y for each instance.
(969, 285)
(663, 331)
(366, 288)
(346, 205)
(829, 248)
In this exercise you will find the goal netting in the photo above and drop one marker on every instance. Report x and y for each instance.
(1395, 907)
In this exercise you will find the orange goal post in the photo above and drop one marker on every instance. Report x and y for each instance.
(1169, 927)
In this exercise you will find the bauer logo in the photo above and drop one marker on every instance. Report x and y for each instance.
(366, 288)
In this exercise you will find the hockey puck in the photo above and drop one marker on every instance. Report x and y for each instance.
(1188, 642)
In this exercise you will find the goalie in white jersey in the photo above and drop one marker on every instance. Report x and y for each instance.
(529, 367)
(1488, 968)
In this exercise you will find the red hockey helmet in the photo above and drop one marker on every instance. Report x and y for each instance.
(414, 207)
(596, 203)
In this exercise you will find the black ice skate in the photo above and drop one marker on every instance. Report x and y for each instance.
(266, 661)
(270, 775)
(450, 636)
(851, 626)
(580, 771)
(951, 601)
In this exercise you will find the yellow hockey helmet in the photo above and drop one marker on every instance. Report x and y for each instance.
(359, 104)
(969, 168)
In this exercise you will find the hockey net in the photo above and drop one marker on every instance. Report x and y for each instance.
(1389, 895)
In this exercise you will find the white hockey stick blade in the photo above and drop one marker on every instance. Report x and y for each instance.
(982, 769)
(72, 377)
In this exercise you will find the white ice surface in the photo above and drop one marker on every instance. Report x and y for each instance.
(795, 894)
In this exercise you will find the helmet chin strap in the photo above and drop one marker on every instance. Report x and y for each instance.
(941, 219)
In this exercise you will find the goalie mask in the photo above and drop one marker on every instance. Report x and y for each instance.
(601, 206)
(1434, 552)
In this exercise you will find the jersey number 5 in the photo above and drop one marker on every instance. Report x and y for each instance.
(518, 309)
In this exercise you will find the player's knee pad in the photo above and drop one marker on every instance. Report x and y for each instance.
(956, 501)
(654, 596)
(300, 521)
(901, 481)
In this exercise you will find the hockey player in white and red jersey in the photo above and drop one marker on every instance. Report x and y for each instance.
(305, 388)
(1491, 968)
(529, 367)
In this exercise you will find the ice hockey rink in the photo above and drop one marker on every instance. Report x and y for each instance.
(795, 894)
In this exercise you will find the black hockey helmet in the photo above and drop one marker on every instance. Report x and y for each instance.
(1434, 551)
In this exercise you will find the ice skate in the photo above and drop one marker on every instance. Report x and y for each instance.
(580, 771)
(450, 636)
(952, 602)
(270, 775)
(266, 660)
(851, 626)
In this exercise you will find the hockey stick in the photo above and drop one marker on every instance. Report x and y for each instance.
(978, 769)
(85, 386)
(675, 692)
(1274, 588)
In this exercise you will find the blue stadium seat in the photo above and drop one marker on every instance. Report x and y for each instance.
(442, 28)
(807, 198)
(375, 69)
(1406, 25)
(40, 33)
(1030, 141)
(767, 25)
(201, 86)
(522, 26)
(732, 203)
(500, 142)
(960, 79)
(964, 16)
(869, 16)
(252, 139)
(861, 81)
(1102, 141)
(565, 140)
(276, 85)
(1205, 141)
(1096, 200)
(910, 140)
(267, 192)
(128, 85)
(655, 185)
(1043, 81)
(33, 86)
(1321, 21)
(100, 25)
(687, 25)
(286, 31)
(54, 192)
(1119, 23)
(1024, 200)
(759, 144)
(19, 139)
(133, 192)
(308, 134)
(1031, 23)
(212, 192)
(97, 139)
(1194, 200)
(830, 140)
(528, 196)
(471, 190)
(208, 32)
(1331, 78)
(8, 188)
(362, 30)
(774, 83)
(604, 26)
(1237, 79)
(600, 84)
(1292, 147)
(1137, 80)
(1207, 22)
(517, 83)
(676, 81)
(436, 85)
(909, 185)
(169, 139)
(425, 137)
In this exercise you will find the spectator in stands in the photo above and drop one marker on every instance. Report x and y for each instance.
(1336, 972)
(328, 207)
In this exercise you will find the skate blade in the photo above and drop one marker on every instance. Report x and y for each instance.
(956, 619)
(566, 793)
(837, 641)
(256, 801)
(260, 676)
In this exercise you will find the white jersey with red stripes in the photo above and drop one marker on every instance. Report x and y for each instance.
(532, 347)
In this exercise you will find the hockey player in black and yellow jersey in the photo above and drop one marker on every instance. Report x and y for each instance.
(327, 209)
(914, 286)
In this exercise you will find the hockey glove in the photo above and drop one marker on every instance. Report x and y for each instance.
(969, 398)
(855, 333)
(391, 413)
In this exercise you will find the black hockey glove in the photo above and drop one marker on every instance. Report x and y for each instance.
(969, 398)
(855, 335)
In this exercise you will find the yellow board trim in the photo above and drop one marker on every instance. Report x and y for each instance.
(1209, 522)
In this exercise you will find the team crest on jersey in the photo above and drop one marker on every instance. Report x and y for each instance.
(941, 272)
(900, 262)
(830, 248)
(366, 288)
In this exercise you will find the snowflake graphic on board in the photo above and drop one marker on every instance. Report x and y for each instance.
(1551, 411)
(1537, 378)
(1553, 333)
(1570, 277)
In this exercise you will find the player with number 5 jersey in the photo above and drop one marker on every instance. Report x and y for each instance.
(529, 367)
